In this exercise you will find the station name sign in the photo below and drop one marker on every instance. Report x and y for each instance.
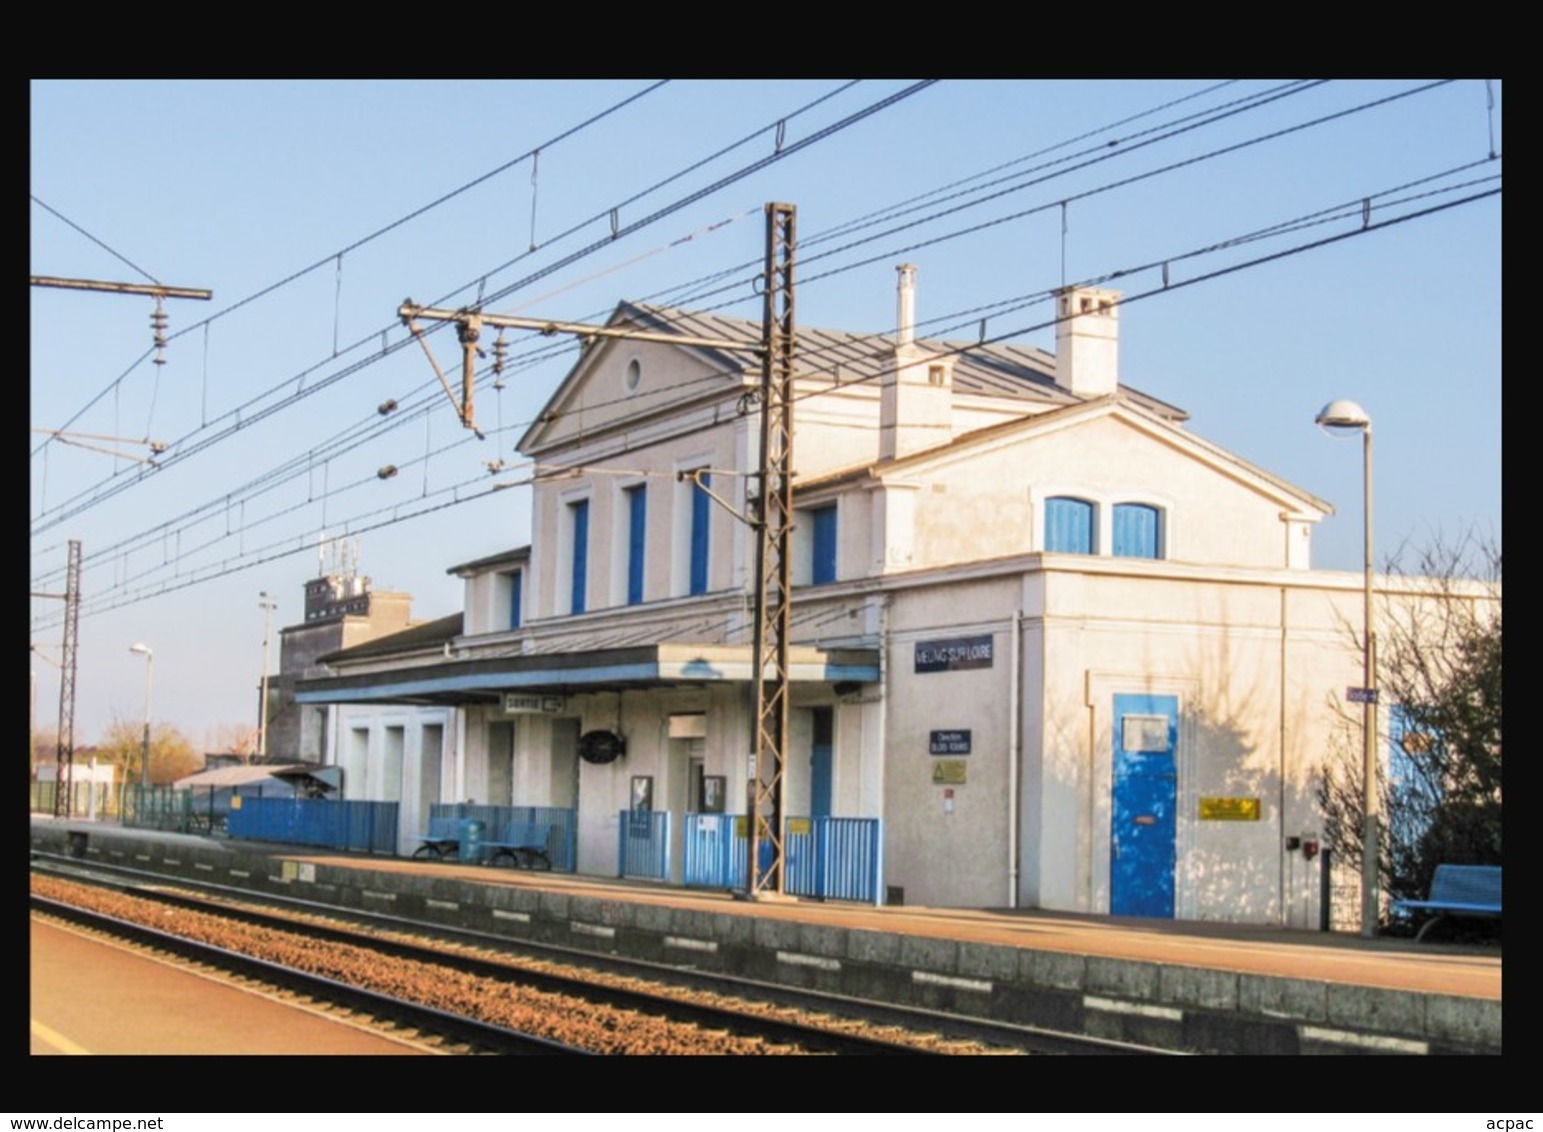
(954, 653)
(518, 703)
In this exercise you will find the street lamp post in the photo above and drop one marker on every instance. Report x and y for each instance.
(1350, 416)
(144, 765)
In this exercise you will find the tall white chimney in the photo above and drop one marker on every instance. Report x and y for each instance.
(1087, 341)
(916, 395)
(905, 314)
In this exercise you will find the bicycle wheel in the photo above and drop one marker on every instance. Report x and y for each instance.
(429, 852)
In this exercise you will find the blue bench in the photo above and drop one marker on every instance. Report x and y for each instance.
(1458, 890)
(517, 845)
(443, 840)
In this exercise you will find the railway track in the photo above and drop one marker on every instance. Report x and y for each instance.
(636, 1007)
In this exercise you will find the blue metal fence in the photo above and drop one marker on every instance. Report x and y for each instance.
(714, 850)
(825, 858)
(361, 827)
(834, 858)
(643, 847)
(551, 827)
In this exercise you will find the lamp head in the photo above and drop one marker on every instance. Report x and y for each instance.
(140, 647)
(1343, 414)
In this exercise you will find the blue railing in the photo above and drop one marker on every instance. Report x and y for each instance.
(834, 858)
(361, 827)
(551, 827)
(825, 858)
(643, 847)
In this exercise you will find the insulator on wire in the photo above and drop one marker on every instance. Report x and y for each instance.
(386, 407)
(158, 329)
(387, 472)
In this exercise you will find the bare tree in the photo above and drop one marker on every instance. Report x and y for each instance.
(1439, 684)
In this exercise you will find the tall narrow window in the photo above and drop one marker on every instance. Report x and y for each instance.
(824, 563)
(701, 513)
(637, 543)
(516, 580)
(578, 514)
(1137, 531)
(1068, 525)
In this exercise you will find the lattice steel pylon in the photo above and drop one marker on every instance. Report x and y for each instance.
(63, 793)
(773, 514)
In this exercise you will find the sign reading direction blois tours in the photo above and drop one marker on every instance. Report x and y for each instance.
(954, 653)
(948, 742)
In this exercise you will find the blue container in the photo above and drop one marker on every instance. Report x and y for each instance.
(472, 834)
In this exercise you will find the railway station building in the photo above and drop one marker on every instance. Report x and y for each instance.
(1064, 652)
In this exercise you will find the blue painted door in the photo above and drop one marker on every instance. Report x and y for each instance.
(1143, 808)
(819, 763)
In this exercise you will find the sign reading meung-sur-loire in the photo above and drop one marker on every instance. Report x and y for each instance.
(953, 653)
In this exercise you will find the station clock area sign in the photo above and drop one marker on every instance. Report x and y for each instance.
(954, 653)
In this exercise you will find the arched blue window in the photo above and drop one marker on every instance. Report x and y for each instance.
(1137, 531)
(1068, 525)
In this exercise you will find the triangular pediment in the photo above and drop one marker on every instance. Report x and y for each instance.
(621, 383)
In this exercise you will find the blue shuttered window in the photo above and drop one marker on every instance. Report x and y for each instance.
(516, 586)
(1137, 531)
(1068, 525)
(701, 505)
(579, 514)
(824, 564)
(637, 528)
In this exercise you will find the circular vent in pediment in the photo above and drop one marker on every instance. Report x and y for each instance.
(600, 747)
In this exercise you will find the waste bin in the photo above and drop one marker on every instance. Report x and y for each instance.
(472, 834)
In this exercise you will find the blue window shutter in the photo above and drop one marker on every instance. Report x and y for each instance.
(701, 512)
(824, 545)
(637, 507)
(580, 512)
(1135, 531)
(516, 585)
(1068, 525)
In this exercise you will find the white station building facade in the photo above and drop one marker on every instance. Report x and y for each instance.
(1071, 655)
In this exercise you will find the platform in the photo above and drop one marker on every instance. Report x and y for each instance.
(1197, 987)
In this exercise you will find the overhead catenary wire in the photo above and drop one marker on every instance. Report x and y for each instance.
(1166, 287)
(1283, 226)
(183, 448)
(390, 227)
(1021, 331)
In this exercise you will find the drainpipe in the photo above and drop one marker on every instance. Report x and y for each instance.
(1280, 805)
(1014, 755)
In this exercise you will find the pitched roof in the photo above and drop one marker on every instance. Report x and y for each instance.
(425, 635)
(991, 369)
(502, 558)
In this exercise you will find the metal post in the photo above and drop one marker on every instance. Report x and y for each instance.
(63, 799)
(144, 766)
(267, 605)
(774, 522)
(1369, 840)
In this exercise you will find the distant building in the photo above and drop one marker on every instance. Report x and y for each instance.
(340, 611)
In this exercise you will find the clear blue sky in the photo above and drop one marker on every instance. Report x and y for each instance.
(237, 186)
